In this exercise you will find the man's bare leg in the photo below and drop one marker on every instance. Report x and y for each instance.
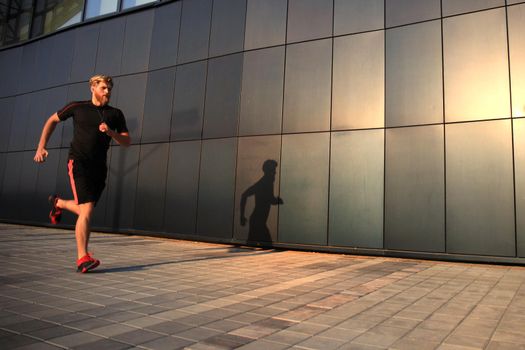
(82, 228)
(69, 205)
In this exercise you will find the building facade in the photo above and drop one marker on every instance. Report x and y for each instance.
(384, 127)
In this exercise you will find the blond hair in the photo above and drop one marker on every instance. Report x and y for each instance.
(96, 79)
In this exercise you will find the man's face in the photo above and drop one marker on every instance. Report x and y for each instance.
(101, 92)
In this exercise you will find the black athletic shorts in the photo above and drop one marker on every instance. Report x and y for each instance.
(88, 180)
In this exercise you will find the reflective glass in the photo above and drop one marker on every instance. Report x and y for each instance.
(96, 8)
(399, 12)
(414, 83)
(454, 7)
(516, 17)
(519, 163)
(358, 81)
(257, 189)
(132, 3)
(309, 19)
(307, 86)
(414, 189)
(303, 216)
(265, 23)
(227, 27)
(480, 191)
(353, 16)
(62, 14)
(262, 92)
(476, 66)
(356, 189)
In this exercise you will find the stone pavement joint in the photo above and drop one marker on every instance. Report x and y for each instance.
(154, 293)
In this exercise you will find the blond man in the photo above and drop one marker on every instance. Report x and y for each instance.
(95, 124)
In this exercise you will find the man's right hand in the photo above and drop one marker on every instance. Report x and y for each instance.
(40, 155)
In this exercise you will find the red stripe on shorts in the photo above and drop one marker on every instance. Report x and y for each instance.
(72, 179)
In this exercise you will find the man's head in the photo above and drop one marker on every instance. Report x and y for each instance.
(100, 86)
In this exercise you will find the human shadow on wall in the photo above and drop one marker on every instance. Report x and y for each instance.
(262, 190)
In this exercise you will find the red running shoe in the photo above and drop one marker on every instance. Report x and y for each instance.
(55, 215)
(87, 263)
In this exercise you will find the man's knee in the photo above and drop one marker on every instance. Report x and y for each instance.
(86, 209)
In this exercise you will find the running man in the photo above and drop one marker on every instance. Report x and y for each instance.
(95, 124)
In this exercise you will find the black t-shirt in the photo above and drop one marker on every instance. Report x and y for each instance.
(89, 143)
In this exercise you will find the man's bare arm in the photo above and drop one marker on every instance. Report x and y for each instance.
(122, 138)
(49, 127)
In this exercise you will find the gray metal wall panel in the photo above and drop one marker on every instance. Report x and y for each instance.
(265, 23)
(262, 92)
(43, 64)
(217, 188)
(354, 16)
(158, 104)
(519, 178)
(54, 100)
(35, 119)
(151, 187)
(257, 182)
(26, 80)
(7, 107)
(10, 63)
(480, 195)
(358, 85)
(137, 42)
(85, 52)
(110, 44)
(9, 202)
(165, 37)
(307, 87)
(309, 19)
(25, 203)
(414, 189)
(182, 185)
(3, 166)
(414, 78)
(454, 7)
(63, 186)
(131, 99)
(122, 187)
(227, 27)
(61, 59)
(188, 101)
(516, 19)
(45, 185)
(19, 122)
(195, 30)
(356, 189)
(223, 89)
(477, 74)
(303, 217)
(399, 12)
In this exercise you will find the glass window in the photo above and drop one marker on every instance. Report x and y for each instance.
(63, 14)
(132, 3)
(476, 66)
(96, 8)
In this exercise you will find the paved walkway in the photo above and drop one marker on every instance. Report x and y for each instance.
(153, 293)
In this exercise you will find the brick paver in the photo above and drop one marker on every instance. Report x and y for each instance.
(152, 293)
